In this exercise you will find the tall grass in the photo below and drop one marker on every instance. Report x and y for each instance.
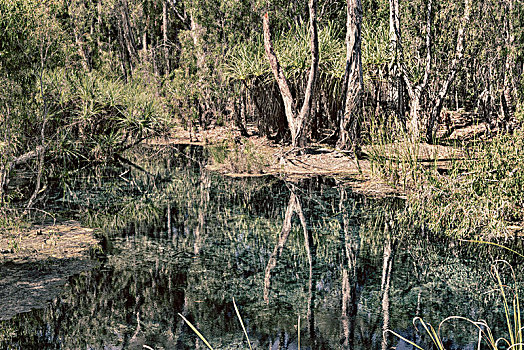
(478, 193)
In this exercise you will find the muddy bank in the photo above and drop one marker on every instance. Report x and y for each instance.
(36, 262)
(236, 156)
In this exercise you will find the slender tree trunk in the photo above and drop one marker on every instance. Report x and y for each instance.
(44, 51)
(396, 91)
(455, 64)
(124, 55)
(353, 82)
(415, 92)
(145, 56)
(296, 119)
(164, 37)
(99, 24)
(196, 31)
(82, 51)
(507, 104)
(128, 35)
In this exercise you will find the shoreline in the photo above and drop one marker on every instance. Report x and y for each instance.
(38, 261)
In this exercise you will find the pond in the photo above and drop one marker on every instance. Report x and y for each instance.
(305, 261)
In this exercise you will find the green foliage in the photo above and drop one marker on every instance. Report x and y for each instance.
(481, 197)
(94, 116)
(238, 157)
(247, 60)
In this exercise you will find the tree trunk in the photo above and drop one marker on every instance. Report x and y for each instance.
(128, 35)
(196, 30)
(82, 51)
(164, 37)
(125, 61)
(415, 92)
(396, 90)
(459, 55)
(296, 119)
(507, 100)
(353, 82)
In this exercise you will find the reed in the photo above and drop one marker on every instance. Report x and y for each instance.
(512, 315)
(197, 332)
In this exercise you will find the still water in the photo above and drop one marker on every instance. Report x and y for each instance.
(305, 261)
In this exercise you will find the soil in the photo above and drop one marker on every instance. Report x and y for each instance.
(317, 159)
(36, 262)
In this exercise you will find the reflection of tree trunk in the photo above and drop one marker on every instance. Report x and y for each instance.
(169, 230)
(350, 293)
(387, 265)
(205, 184)
(294, 206)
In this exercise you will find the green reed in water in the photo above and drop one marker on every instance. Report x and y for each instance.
(511, 304)
(205, 340)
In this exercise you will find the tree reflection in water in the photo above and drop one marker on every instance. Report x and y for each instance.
(183, 240)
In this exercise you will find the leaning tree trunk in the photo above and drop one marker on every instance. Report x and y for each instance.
(296, 119)
(455, 64)
(353, 82)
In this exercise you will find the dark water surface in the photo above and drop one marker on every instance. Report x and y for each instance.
(180, 240)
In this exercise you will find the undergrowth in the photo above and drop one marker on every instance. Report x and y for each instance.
(237, 155)
(479, 195)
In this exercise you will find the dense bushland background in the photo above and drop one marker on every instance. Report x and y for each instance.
(83, 80)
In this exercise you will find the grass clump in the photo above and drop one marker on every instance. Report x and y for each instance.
(237, 155)
(93, 116)
(483, 196)
(477, 192)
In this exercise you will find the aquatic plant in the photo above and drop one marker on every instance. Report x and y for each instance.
(205, 340)
(514, 338)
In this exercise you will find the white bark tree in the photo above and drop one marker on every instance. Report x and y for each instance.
(296, 118)
(353, 81)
